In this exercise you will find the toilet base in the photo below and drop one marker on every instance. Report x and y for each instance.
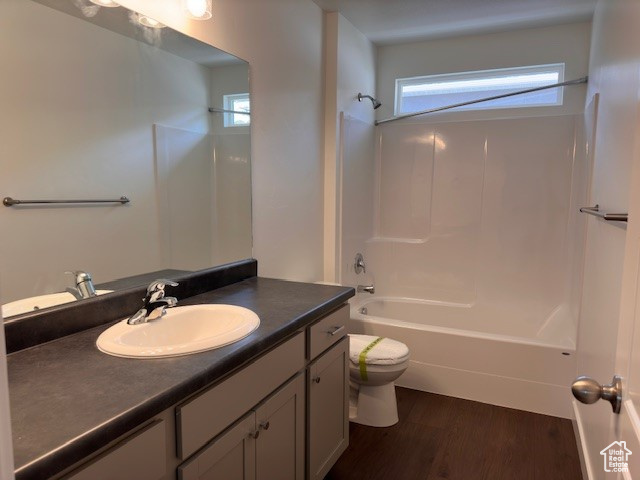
(373, 406)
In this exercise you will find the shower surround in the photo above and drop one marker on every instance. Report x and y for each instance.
(472, 237)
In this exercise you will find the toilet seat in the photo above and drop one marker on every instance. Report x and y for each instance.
(384, 352)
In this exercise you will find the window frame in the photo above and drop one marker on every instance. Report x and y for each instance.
(229, 118)
(558, 68)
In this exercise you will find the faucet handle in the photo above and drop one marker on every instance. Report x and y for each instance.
(160, 284)
(155, 291)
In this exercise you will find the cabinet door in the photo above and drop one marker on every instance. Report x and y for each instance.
(229, 457)
(280, 447)
(328, 409)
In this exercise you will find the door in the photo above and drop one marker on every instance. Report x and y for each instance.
(280, 448)
(232, 456)
(609, 327)
(328, 409)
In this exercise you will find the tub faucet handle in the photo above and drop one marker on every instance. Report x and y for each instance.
(359, 265)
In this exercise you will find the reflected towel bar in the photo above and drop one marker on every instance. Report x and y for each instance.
(223, 110)
(10, 202)
(612, 217)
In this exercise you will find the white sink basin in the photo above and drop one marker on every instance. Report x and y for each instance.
(182, 331)
(31, 304)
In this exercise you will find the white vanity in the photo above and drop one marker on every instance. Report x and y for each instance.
(282, 416)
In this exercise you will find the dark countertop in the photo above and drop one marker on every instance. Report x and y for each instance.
(68, 399)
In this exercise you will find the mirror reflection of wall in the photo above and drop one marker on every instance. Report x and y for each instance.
(92, 114)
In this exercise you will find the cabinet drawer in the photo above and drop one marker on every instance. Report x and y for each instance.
(142, 456)
(328, 331)
(204, 417)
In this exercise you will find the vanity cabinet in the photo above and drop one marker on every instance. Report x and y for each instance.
(266, 444)
(200, 419)
(283, 416)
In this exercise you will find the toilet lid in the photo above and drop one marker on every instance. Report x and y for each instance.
(369, 350)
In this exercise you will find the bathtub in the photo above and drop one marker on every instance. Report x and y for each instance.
(478, 353)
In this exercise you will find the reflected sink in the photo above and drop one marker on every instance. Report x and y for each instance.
(41, 301)
(182, 331)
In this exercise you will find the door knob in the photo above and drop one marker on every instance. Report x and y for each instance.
(587, 390)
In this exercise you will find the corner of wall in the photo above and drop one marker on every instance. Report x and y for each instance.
(350, 62)
(330, 57)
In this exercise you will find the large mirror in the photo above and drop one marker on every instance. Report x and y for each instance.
(96, 106)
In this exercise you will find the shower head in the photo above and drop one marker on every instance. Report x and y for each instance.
(376, 103)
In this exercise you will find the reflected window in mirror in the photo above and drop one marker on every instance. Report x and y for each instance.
(234, 104)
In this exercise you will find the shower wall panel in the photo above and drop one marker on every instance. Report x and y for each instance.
(357, 160)
(477, 212)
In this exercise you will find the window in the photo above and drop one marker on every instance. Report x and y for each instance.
(237, 103)
(424, 93)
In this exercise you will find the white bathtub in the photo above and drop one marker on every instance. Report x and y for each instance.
(477, 353)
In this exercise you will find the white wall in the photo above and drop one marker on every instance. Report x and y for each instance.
(564, 43)
(282, 40)
(349, 70)
(81, 126)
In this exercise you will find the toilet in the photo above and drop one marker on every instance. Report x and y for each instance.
(375, 363)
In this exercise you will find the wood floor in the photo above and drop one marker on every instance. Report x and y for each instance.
(445, 438)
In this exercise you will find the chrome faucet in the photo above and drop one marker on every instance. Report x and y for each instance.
(358, 265)
(154, 299)
(84, 285)
(366, 288)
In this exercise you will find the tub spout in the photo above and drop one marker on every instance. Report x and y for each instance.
(366, 288)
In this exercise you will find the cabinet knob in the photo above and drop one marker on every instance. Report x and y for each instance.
(264, 425)
(255, 434)
(316, 380)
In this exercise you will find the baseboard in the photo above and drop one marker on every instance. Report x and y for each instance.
(582, 448)
(547, 399)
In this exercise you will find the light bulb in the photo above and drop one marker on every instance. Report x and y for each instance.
(149, 22)
(105, 3)
(197, 9)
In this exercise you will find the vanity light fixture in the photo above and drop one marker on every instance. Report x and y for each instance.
(197, 9)
(149, 22)
(105, 3)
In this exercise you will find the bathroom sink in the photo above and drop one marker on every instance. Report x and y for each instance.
(41, 301)
(181, 331)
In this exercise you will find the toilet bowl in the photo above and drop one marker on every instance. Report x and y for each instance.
(375, 363)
